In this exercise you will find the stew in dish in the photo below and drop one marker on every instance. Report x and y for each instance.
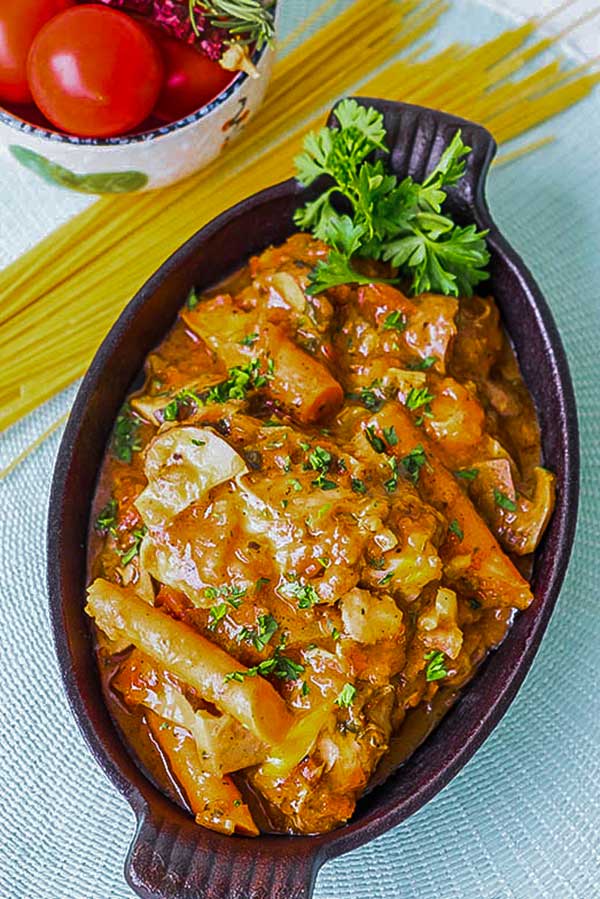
(313, 522)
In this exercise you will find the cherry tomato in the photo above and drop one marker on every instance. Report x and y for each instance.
(191, 79)
(94, 72)
(20, 21)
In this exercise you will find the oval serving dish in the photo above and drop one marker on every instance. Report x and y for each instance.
(171, 856)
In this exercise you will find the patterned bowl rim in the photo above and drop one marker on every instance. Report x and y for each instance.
(19, 124)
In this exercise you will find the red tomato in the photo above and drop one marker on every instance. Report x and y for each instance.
(20, 21)
(94, 72)
(191, 79)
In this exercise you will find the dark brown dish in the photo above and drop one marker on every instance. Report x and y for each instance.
(171, 855)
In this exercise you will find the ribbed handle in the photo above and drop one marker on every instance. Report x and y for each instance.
(171, 859)
(418, 136)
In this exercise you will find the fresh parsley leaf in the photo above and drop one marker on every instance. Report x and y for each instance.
(399, 222)
(436, 668)
(333, 272)
(504, 501)
(346, 696)
(390, 436)
(278, 665)
(249, 339)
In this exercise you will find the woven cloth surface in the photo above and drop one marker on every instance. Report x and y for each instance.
(521, 821)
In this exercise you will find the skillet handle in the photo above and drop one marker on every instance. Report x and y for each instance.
(171, 858)
(417, 137)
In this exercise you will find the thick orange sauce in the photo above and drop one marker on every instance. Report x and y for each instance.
(373, 535)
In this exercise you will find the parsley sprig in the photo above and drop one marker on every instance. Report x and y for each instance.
(400, 222)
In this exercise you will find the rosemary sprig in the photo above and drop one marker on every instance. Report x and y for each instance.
(248, 21)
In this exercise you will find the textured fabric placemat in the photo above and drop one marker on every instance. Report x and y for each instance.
(521, 821)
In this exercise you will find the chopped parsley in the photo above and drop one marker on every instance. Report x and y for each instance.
(376, 442)
(306, 595)
(240, 380)
(414, 462)
(249, 339)
(107, 518)
(358, 486)
(436, 668)
(129, 554)
(456, 529)
(467, 474)
(261, 582)
(390, 435)
(335, 634)
(391, 484)
(261, 635)
(395, 321)
(230, 593)
(346, 696)
(305, 688)
(320, 460)
(192, 299)
(424, 364)
(278, 665)
(216, 614)
(386, 578)
(126, 440)
(504, 502)
(417, 397)
(296, 484)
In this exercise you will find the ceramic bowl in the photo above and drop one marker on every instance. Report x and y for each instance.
(171, 857)
(142, 161)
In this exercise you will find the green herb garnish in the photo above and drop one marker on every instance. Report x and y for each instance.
(241, 379)
(129, 554)
(107, 519)
(346, 696)
(278, 665)
(261, 635)
(436, 668)
(229, 592)
(358, 486)
(395, 321)
(424, 364)
(125, 440)
(456, 529)
(414, 462)
(249, 339)
(398, 222)
(306, 595)
(467, 474)
(504, 502)
(417, 397)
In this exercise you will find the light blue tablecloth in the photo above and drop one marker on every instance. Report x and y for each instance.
(522, 820)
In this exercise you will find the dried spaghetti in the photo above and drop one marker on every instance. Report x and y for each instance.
(59, 299)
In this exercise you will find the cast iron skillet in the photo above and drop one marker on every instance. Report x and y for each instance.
(171, 856)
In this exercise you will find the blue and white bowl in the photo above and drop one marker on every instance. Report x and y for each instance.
(141, 161)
